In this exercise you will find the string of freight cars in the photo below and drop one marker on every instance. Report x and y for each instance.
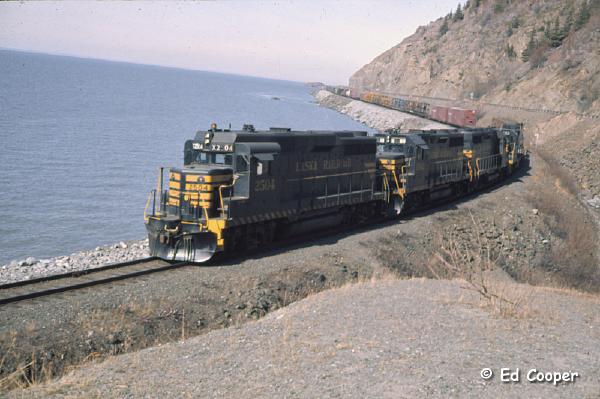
(357, 95)
(454, 116)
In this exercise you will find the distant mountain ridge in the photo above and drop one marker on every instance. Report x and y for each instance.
(535, 53)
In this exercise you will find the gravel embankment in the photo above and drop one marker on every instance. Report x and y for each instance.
(411, 338)
(31, 267)
(374, 116)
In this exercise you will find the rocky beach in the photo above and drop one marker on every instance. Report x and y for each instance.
(29, 268)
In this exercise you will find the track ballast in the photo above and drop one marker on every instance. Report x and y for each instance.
(58, 283)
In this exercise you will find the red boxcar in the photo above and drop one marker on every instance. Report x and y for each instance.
(461, 117)
(439, 114)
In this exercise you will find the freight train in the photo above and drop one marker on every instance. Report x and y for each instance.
(455, 116)
(243, 189)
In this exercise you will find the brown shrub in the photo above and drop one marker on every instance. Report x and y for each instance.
(573, 258)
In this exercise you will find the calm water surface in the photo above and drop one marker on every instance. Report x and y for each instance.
(82, 141)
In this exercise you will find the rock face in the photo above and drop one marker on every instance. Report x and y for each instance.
(480, 57)
(479, 63)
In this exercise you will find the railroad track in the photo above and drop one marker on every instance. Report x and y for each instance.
(58, 283)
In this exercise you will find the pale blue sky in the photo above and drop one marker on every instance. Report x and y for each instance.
(296, 40)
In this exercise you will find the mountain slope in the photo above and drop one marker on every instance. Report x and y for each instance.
(499, 53)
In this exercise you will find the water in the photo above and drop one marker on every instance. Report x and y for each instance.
(82, 141)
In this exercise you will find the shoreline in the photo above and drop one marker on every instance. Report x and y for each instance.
(374, 116)
(30, 267)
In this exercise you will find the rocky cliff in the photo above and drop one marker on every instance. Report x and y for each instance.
(535, 54)
(511, 60)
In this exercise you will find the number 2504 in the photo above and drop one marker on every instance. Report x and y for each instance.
(265, 185)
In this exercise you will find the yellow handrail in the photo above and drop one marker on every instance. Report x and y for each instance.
(470, 170)
(146, 218)
(397, 184)
(221, 187)
(387, 186)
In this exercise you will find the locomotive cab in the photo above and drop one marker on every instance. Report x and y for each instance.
(395, 159)
(186, 220)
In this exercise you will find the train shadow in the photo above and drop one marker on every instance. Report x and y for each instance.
(329, 237)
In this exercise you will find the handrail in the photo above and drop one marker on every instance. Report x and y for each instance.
(397, 183)
(387, 187)
(146, 217)
(221, 187)
(470, 170)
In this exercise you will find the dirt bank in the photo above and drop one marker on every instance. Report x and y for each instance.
(374, 339)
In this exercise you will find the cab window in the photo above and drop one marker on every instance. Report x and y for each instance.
(214, 158)
(223, 159)
(241, 165)
(202, 157)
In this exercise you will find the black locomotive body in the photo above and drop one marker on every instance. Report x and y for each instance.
(240, 189)
(426, 166)
(243, 189)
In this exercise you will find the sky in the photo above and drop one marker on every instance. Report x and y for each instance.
(304, 41)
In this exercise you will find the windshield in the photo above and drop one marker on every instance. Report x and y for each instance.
(214, 158)
(390, 148)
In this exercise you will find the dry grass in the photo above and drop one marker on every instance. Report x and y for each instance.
(101, 333)
(26, 362)
(477, 265)
(574, 258)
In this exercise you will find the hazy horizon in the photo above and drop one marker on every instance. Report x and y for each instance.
(147, 64)
(299, 41)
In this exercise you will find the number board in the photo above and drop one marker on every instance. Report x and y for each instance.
(221, 147)
(213, 147)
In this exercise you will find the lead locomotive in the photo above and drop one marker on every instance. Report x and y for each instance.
(243, 189)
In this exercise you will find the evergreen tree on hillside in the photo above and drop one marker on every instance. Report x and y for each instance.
(555, 34)
(444, 28)
(473, 5)
(510, 52)
(583, 15)
(547, 29)
(458, 15)
(568, 22)
(515, 22)
(531, 45)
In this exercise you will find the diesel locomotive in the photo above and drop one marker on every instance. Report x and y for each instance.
(243, 189)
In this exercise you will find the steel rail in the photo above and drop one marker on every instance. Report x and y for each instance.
(83, 284)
